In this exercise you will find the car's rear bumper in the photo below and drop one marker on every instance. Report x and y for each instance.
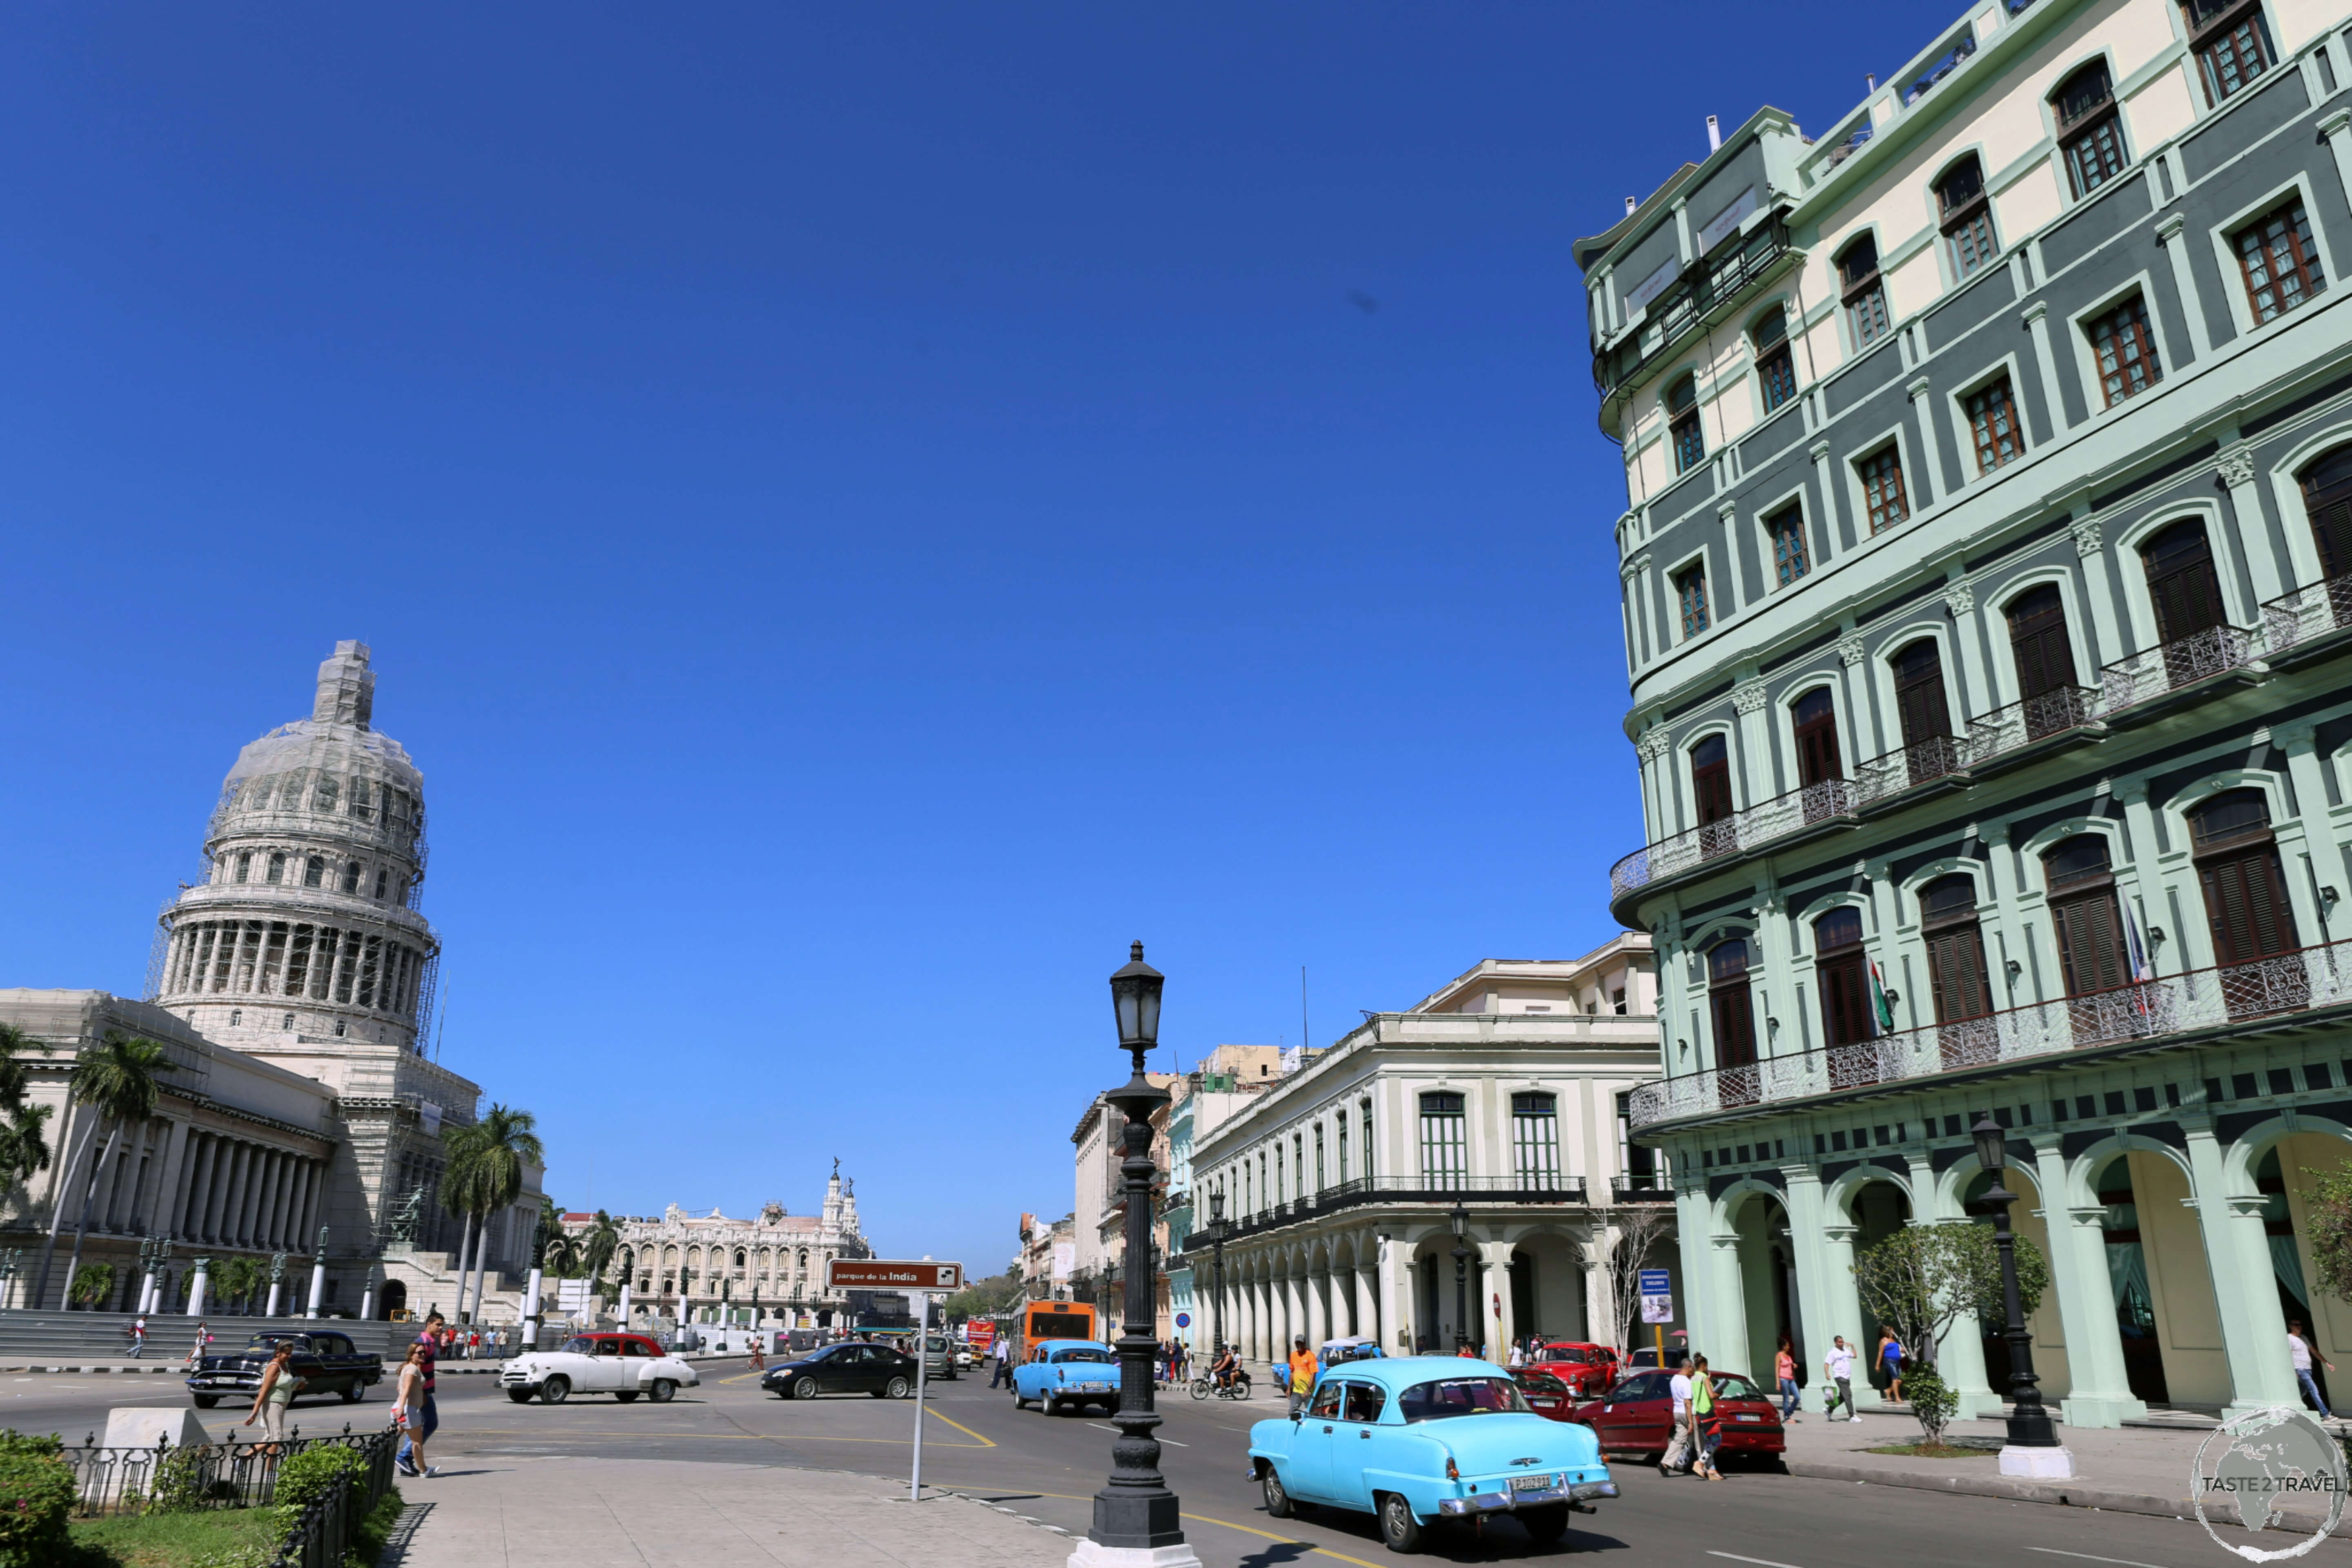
(1510, 1501)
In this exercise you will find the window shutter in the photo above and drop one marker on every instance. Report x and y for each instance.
(1845, 1011)
(2187, 599)
(1713, 785)
(2090, 946)
(1956, 969)
(2331, 526)
(1735, 1026)
(1919, 704)
(2246, 906)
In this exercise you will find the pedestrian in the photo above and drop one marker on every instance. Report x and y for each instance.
(1784, 1367)
(759, 1353)
(1838, 1366)
(196, 1346)
(423, 1419)
(2298, 1355)
(1002, 1349)
(1890, 1363)
(1707, 1415)
(473, 1344)
(279, 1386)
(410, 1399)
(139, 1336)
(1302, 1374)
(1518, 1355)
(1679, 1448)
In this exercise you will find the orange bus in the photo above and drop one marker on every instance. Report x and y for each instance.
(1043, 1320)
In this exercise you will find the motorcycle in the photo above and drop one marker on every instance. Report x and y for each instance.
(1205, 1384)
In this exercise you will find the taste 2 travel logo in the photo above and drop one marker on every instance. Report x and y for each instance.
(2276, 1468)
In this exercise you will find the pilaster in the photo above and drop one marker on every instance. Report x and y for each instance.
(2245, 1287)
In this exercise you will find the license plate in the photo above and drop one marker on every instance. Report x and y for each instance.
(1532, 1483)
(1750, 1418)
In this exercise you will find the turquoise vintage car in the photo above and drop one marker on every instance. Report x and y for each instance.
(1060, 1372)
(1414, 1439)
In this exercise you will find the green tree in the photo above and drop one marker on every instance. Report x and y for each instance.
(562, 1256)
(239, 1280)
(2327, 1227)
(117, 1079)
(485, 1175)
(1923, 1279)
(24, 1145)
(983, 1298)
(596, 1249)
(92, 1283)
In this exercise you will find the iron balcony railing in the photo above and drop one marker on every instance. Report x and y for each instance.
(2032, 720)
(1683, 307)
(1775, 819)
(1440, 1187)
(2167, 667)
(1641, 1187)
(2305, 615)
(1924, 761)
(2306, 980)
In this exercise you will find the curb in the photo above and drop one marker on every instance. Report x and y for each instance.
(2062, 1494)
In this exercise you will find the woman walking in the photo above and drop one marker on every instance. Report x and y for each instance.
(1890, 1363)
(1784, 1368)
(1707, 1416)
(407, 1410)
(279, 1386)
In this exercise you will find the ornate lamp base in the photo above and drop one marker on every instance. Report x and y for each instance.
(2037, 1464)
(1092, 1554)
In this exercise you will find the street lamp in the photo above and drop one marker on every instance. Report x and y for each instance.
(2033, 1448)
(1461, 1218)
(1137, 1523)
(1217, 1269)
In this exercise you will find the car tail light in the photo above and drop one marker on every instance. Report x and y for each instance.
(1453, 1471)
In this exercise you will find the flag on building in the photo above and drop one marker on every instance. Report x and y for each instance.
(2140, 967)
(1882, 1007)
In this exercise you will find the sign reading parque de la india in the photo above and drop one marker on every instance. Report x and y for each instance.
(873, 1274)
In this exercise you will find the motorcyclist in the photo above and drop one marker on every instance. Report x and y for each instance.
(1225, 1366)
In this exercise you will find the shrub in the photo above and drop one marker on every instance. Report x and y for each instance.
(311, 1475)
(37, 1497)
(1930, 1398)
(180, 1482)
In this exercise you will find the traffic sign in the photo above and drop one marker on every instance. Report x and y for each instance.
(873, 1274)
(1656, 1282)
(1183, 1320)
(1657, 1296)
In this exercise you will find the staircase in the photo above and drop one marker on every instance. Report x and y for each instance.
(82, 1339)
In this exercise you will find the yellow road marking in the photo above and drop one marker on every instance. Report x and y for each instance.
(985, 1442)
(745, 1377)
(701, 1436)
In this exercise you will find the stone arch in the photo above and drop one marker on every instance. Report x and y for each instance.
(2082, 1191)
(1837, 1194)
(2239, 1159)
(1547, 1282)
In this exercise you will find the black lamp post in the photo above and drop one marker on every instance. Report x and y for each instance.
(1217, 1269)
(2029, 1420)
(1136, 1516)
(1461, 1218)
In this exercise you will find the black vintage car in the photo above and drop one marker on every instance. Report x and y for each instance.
(327, 1362)
(853, 1368)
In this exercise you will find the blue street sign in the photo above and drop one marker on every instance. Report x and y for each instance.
(1654, 1283)
(1183, 1320)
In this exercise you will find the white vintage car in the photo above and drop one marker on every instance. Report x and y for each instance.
(623, 1365)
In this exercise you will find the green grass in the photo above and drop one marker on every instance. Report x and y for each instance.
(171, 1539)
(1933, 1451)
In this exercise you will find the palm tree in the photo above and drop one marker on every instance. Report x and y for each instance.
(562, 1258)
(486, 1161)
(116, 1077)
(24, 1149)
(603, 1240)
(458, 1195)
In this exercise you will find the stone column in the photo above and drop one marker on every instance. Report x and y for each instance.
(1758, 765)
(1980, 697)
(1693, 1213)
(2168, 233)
(189, 1220)
(1498, 1323)
(2236, 470)
(228, 1157)
(2245, 1282)
(1842, 1309)
(1368, 1302)
(163, 1209)
(1728, 1293)
(1930, 465)
(2099, 1394)
(1809, 1263)
(1395, 1316)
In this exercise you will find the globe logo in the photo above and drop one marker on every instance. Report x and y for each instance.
(2254, 1467)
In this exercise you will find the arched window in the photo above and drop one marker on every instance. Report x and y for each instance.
(1776, 366)
(1841, 970)
(1710, 766)
(1445, 1145)
(2045, 662)
(739, 1257)
(2090, 134)
(2246, 905)
(2327, 501)
(1862, 291)
(1965, 214)
(1955, 964)
(1815, 717)
(1730, 1007)
(2231, 41)
(1682, 424)
(1920, 710)
(2084, 912)
(1535, 1141)
(352, 878)
(2186, 592)
(314, 871)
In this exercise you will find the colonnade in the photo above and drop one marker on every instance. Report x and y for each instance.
(294, 960)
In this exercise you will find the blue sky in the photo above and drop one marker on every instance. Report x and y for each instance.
(860, 512)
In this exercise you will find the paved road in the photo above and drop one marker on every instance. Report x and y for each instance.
(1049, 1466)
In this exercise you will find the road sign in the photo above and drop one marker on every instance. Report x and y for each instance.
(1657, 1296)
(872, 1274)
(1183, 1320)
(1656, 1282)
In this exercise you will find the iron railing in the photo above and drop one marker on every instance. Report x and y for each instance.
(1440, 1187)
(322, 1534)
(2304, 614)
(1775, 819)
(1684, 306)
(2033, 718)
(195, 1479)
(1937, 757)
(2167, 667)
(2289, 983)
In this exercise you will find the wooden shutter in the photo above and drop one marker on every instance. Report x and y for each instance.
(1845, 999)
(2245, 901)
(2037, 636)
(1956, 970)
(2090, 942)
(1919, 696)
(1817, 749)
(1735, 1026)
(1712, 784)
(2331, 528)
(2187, 595)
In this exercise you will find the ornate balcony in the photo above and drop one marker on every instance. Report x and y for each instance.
(1832, 800)
(1441, 1188)
(2169, 666)
(1937, 757)
(2303, 616)
(2061, 710)
(2307, 980)
(1711, 286)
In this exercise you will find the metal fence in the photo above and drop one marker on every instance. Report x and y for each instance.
(322, 1537)
(198, 1476)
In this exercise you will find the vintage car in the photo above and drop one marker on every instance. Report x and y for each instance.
(1589, 1369)
(1067, 1374)
(1546, 1396)
(1637, 1416)
(1416, 1440)
(885, 1372)
(327, 1362)
(623, 1365)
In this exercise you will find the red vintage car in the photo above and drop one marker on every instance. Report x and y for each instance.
(1589, 1369)
(1637, 1416)
(1546, 1396)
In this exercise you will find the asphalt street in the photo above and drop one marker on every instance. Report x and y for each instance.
(1047, 1467)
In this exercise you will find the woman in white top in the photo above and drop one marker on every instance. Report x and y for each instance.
(408, 1394)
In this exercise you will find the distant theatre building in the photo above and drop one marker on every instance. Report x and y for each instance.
(1986, 578)
(1505, 1093)
(709, 1269)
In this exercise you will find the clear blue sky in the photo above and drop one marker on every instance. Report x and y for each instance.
(860, 511)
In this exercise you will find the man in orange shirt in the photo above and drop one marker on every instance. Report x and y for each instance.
(1302, 1374)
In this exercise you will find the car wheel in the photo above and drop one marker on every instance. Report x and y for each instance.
(1398, 1527)
(354, 1391)
(206, 1401)
(1050, 1407)
(897, 1388)
(1545, 1525)
(660, 1390)
(805, 1389)
(519, 1395)
(1277, 1500)
(626, 1396)
(555, 1391)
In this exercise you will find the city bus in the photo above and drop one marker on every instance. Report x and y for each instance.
(1041, 1320)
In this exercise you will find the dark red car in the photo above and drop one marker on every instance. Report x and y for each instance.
(1546, 1395)
(1590, 1370)
(1638, 1417)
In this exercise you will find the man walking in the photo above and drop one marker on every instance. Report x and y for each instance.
(139, 1336)
(1302, 1374)
(1677, 1457)
(423, 1419)
(2298, 1355)
(1003, 1350)
(1838, 1365)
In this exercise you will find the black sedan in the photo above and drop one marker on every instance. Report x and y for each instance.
(876, 1370)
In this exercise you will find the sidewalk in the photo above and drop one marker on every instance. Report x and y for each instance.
(2132, 1470)
(664, 1513)
(483, 1367)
